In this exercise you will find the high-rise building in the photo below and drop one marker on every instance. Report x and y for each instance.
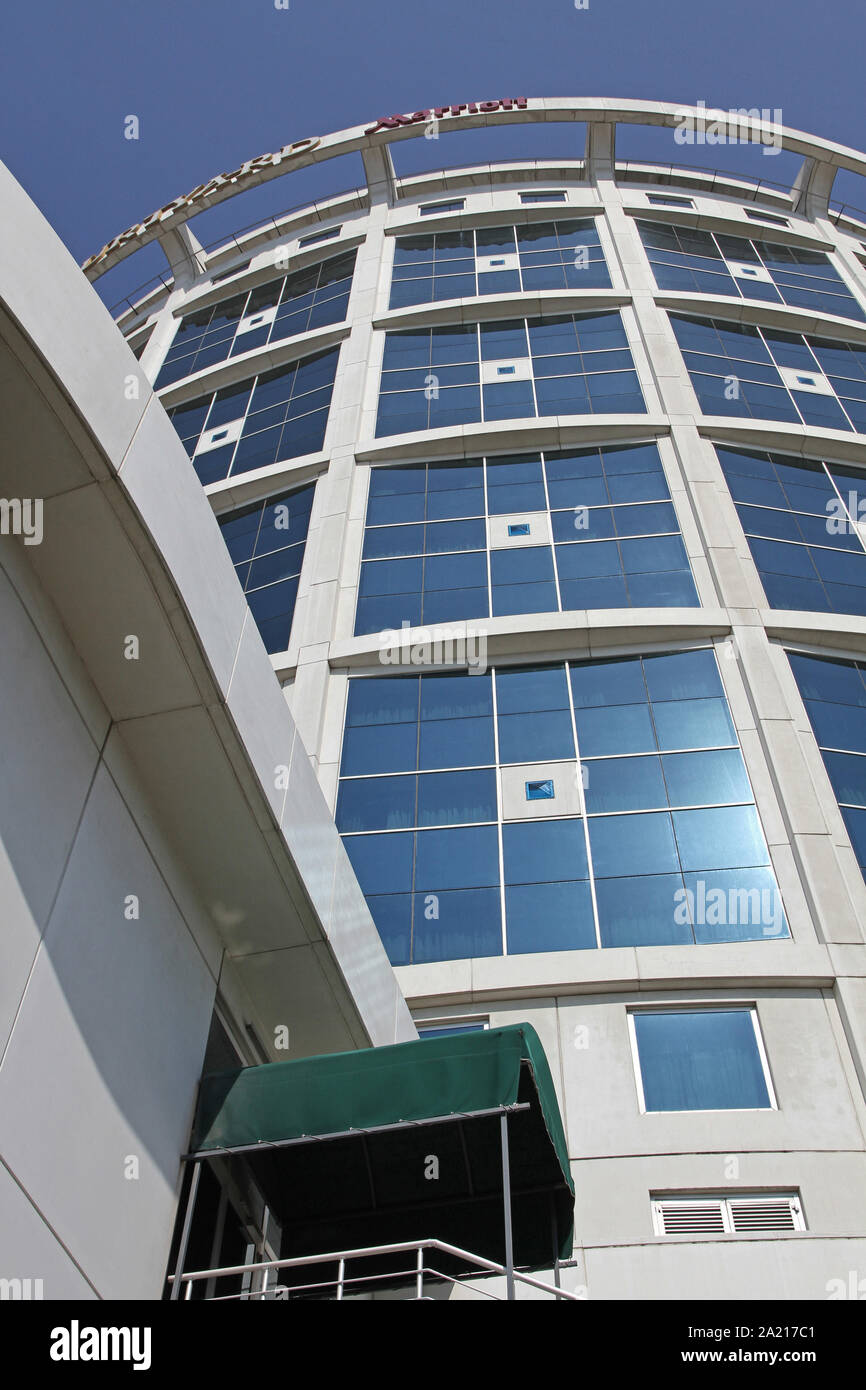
(541, 482)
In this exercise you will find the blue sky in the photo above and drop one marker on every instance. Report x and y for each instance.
(216, 81)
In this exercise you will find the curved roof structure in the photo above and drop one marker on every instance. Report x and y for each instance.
(811, 189)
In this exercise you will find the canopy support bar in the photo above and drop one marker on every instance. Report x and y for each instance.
(263, 1144)
(187, 1226)
(506, 1206)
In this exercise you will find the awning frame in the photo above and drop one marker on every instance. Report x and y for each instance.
(503, 1111)
(246, 1117)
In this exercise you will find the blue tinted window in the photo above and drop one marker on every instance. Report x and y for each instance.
(624, 784)
(286, 415)
(267, 543)
(376, 803)
(531, 688)
(616, 729)
(734, 905)
(815, 559)
(456, 743)
(456, 697)
(698, 871)
(680, 259)
(457, 859)
(628, 845)
(533, 738)
(848, 775)
(616, 682)
(456, 925)
(696, 779)
(392, 915)
(720, 837)
(693, 724)
(641, 911)
(720, 355)
(382, 863)
(380, 748)
(682, 675)
(417, 392)
(549, 917)
(383, 700)
(704, 1059)
(307, 299)
(834, 694)
(425, 266)
(544, 850)
(448, 798)
(454, 497)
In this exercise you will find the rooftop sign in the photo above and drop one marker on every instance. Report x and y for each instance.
(436, 113)
(179, 210)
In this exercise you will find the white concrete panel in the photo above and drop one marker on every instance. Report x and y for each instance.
(110, 1038)
(168, 497)
(48, 761)
(32, 1251)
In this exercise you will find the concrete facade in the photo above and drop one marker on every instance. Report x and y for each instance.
(808, 990)
(155, 864)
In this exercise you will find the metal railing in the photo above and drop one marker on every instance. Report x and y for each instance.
(334, 1289)
(628, 170)
(271, 223)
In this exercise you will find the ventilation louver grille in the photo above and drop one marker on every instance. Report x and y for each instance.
(710, 1216)
(683, 1218)
(766, 1214)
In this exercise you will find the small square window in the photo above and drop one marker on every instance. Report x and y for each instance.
(315, 237)
(431, 209)
(767, 217)
(453, 1028)
(805, 380)
(540, 791)
(506, 371)
(668, 200)
(519, 528)
(227, 274)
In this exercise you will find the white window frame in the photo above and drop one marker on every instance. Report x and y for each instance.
(739, 1005)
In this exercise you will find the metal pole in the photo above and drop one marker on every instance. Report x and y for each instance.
(506, 1207)
(187, 1224)
(419, 1277)
(216, 1243)
(263, 1287)
(341, 1274)
(554, 1240)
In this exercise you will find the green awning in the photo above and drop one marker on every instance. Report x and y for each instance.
(372, 1183)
